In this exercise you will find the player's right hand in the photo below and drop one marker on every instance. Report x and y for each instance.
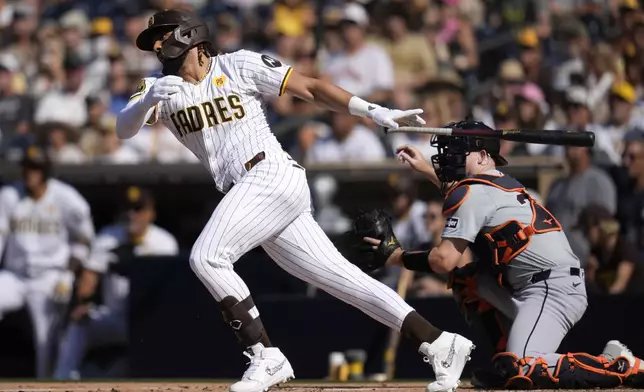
(163, 89)
(412, 156)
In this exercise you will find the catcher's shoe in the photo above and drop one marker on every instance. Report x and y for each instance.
(268, 367)
(448, 355)
(615, 349)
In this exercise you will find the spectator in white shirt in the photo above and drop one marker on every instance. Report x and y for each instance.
(62, 148)
(113, 151)
(157, 144)
(364, 69)
(345, 141)
(66, 105)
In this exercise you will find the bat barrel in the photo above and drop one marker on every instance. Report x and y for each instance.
(561, 138)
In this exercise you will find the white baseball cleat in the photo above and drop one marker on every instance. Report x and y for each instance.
(448, 355)
(268, 367)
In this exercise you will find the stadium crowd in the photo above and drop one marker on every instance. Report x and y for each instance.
(68, 66)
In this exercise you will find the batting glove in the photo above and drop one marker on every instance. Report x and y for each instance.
(163, 89)
(393, 118)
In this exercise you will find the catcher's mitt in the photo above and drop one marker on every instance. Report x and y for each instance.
(375, 224)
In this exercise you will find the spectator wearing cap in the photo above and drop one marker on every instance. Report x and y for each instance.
(413, 57)
(67, 104)
(61, 141)
(115, 246)
(16, 110)
(631, 190)
(76, 27)
(627, 12)
(531, 57)
(137, 62)
(614, 265)
(112, 150)
(510, 80)
(533, 113)
(228, 38)
(102, 45)
(346, 140)
(22, 48)
(364, 69)
(610, 136)
(504, 116)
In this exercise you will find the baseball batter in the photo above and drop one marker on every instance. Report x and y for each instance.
(214, 104)
(95, 326)
(44, 223)
(526, 289)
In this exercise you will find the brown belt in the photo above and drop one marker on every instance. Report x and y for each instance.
(260, 157)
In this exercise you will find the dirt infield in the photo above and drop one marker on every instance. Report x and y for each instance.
(217, 386)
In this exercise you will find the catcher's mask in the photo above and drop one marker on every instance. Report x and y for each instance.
(188, 31)
(449, 162)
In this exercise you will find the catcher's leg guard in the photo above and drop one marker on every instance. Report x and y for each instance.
(636, 378)
(581, 371)
(479, 314)
(524, 373)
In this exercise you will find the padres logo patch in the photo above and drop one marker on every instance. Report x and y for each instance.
(219, 81)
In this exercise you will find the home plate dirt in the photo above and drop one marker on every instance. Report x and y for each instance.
(218, 386)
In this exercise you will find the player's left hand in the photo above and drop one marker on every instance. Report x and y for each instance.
(394, 118)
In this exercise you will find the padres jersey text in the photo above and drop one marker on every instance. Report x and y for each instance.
(227, 126)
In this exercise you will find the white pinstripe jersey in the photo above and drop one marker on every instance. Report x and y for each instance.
(222, 119)
(38, 233)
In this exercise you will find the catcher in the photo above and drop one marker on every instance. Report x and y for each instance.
(525, 289)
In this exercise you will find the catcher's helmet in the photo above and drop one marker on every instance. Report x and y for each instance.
(35, 158)
(188, 30)
(449, 162)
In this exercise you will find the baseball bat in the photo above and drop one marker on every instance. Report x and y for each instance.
(559, 138)
(405, 279)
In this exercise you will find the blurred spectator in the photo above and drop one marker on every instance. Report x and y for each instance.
(75, 28)
(631, 192)
(229, 33)
(407, 212)
(328, 215)
(112, 150)
(505, 117)
(345, 141)
(510, 81)
(22, 48)
(61, 140)
(615, 266)
(531, 57)
(67, 104)
(157, 144)
(364, 69)
(452, 36)
(412, 56)
(610, 136)
(119, 85)
(428, 285)
(584, 185)
(16, 108)
(293, 17)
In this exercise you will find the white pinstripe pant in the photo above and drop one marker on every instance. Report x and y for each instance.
(270, 207)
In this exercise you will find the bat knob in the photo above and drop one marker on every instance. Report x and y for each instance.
(591, 136)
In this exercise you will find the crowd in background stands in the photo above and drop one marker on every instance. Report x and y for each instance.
(68, 66)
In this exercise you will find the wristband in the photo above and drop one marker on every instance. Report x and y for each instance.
(359, 107)
(417, 261)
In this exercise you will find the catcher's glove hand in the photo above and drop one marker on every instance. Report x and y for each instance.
(374, 224)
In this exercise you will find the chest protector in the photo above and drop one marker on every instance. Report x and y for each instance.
(503, 243)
